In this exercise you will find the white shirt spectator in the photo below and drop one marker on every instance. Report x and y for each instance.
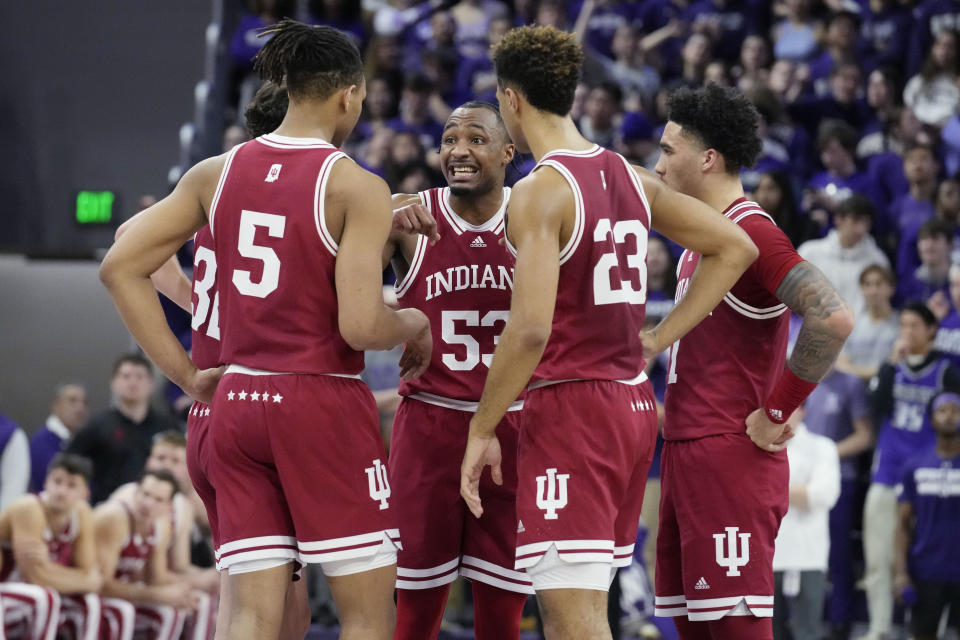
(803, 543)
(843, 266)
(14, 468)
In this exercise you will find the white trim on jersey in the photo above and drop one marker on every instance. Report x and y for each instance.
(745, 309)
(640, 379)
(758, 606)
(571, 551)
(250, 549)
(82, 612)
(595, 150)
(639, 187)
(403, 285)
(348, 547)
(287, 142)
(39, 605)
(495, 575)
(453, 403)
(319, 195)
(415, 579)
(461, 226)
(118, 619)
(248, 371)
(579, 218)
(223, 179)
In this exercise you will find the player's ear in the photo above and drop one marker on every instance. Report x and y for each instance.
(508, 150)
(711, 160)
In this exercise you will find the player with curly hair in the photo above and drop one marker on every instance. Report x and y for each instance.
(578, 225)
(724, 472)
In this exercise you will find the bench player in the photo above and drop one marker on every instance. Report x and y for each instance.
(578, 225)
(49, 572)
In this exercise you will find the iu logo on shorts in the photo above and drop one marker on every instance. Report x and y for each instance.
(729, 557)
(378, 483)
(552, 493)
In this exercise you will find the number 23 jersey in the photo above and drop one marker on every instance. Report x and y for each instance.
(602, 290)
(463, 284)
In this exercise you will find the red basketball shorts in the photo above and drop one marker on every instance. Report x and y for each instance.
(299, 469)
(721, 502)
(585, 450)
(441, 538)
(198, 461)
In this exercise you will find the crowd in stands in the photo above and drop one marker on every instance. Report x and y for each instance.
(861, 152)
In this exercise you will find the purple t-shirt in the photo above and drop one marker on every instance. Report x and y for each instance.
(948, 338)
(906, 215)
(932, 485)
(837, 401)
(929, 19)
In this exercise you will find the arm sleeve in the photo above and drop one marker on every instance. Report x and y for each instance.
(777, 255)
(14, 468)
(824, 487)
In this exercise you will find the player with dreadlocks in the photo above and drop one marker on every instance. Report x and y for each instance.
(295, 452)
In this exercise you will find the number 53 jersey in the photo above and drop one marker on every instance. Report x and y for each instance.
(276, 259)
(463, 283)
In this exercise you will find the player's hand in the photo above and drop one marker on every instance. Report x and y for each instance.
(765, 433)
(203, 383)
(939, 304)
(480, 452)
(95, 579)
(177, 594)
(416, 353)
(651, 344)
(416, 218)
(900, 583)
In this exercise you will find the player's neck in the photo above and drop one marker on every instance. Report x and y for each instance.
(303, 123)
(478, 209)
(56, 519)
(547, 132)
(948, 445)
(720, 190)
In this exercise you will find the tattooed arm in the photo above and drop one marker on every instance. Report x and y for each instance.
(827, 320)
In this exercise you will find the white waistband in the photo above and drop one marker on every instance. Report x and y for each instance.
(247, 371)
(640, 379)
(452, 403)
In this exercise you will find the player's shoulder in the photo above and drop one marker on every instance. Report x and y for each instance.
(110, 512)
(543, 193)
(26, 505)
(205, 173)
(348, 181)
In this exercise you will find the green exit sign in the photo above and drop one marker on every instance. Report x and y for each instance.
(95, 207)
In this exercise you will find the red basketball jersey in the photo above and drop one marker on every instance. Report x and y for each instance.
(135, 552)
(59, 547)
(603, 272)
(463, 284)
(205, 345)
(727, 365)
(276, 259)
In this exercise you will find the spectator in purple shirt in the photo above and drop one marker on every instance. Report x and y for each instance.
(841, 178)
(934, 243)
(840, 43)
(476, 77)
(910, 211)
(882, 32)
(838, 409)
(67, 414)
(929, 19)
(927, 553)
(246, 42)
(415, 116)
(945, 308)
(841, 103)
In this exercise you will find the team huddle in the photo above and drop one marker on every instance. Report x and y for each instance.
(521, 315)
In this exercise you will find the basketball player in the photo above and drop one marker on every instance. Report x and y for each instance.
(169, 453)
(132, 548)
(459, 275)
(578, 225)
(199, 297)
(299, 236)
(49, 572)
(724, 472)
